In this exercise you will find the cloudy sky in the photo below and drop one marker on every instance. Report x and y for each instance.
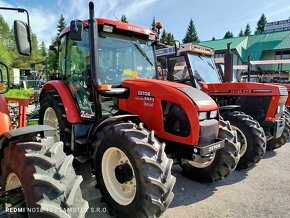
(211, 18)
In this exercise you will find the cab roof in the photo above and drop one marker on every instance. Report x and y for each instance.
(118, 25)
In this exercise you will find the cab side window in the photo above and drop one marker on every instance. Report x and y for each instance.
(78, 75)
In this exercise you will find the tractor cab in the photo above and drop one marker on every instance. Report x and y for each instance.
(124, 51)
(192, 64)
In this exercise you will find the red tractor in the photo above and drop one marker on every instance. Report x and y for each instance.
(239, 102)
(37, 177)
(98, 107)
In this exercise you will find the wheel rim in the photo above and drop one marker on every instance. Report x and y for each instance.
(242, 139)
(12, 182)
(123, 193)
(50, 119)
(202, 162)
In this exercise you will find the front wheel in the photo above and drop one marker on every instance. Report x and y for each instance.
(251, 136)
(276, 143)
(133, 172)
(45, 179)
(217, 165)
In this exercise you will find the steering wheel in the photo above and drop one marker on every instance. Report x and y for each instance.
(113, 74)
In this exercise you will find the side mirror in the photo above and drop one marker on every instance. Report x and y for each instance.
(22, 37)
(76, 30)
(4, 78)
(53, 48)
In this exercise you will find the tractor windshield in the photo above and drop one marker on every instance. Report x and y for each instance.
(203, 68)
(123, 57)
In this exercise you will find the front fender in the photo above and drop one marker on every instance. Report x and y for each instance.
(4, 116)
(69, 104)
(114, 119)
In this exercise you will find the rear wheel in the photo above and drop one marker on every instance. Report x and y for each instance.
(251, 137)
(45, 174)
(219, 164)
(133, 172)
(275, 143)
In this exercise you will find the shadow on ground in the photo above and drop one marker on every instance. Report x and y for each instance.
(186, 191)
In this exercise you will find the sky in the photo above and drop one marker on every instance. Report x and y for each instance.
(211, 17)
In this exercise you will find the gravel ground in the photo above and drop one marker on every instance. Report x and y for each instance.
(261, 191)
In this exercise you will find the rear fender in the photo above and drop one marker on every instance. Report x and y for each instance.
(29, 131)
(69, 104)
(4, 116)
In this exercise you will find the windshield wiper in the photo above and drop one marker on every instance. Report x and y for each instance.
(142, 52)
(206, 61)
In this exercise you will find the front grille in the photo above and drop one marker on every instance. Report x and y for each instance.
(255, 106)
(283, 90)
(208, 131)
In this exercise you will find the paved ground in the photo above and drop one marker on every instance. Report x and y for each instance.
(262, 191)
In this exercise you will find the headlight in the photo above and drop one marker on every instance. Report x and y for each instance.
(280, 109)
(213, 114)
(202, 115)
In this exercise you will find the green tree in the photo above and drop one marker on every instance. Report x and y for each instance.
(191, 34)
(53, 56)
(247, 30)
(61, 24)
(169, 39)
(5, 42)
(124, 18)
(43, 49)
(213, 38)
(153, 27)
(261, 24)
(163, 36)
(241, 33)
(228, 35)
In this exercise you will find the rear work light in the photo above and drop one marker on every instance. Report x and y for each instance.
(107, 28)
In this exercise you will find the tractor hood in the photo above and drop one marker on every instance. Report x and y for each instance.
(249, 88)
(160, 105)
(171, 91)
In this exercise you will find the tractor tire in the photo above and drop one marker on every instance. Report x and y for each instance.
(251, 137)
(278, 142)
(132, 171)
(286, 114)
(224, 160)
(50, 185)
(52, 113)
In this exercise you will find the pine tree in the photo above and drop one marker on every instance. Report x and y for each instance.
(52, 55)
(43, 50)
(191, 34)
(163, 37)
(213, 38)
(61, 24)
(228, 35)
(261, 24)
(169, 39)
(241, 33)
(153, 27)
(247, 30)
(124, 18)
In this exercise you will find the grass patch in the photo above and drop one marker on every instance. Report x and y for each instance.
(19, 93)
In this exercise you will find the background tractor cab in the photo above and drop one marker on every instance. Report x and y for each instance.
(264, 102)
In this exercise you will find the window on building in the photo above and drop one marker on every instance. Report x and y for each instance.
(282, 54)
(219, 55)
